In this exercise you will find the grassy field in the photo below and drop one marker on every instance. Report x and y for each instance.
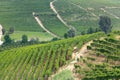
(64, 75)
(42, 36)
(83, 14)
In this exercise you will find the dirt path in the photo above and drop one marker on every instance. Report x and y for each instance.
(1, 34)
(85, 10)
(42, 26)
(112, 7)
(109, 13)
(58, 15)
(76, 55)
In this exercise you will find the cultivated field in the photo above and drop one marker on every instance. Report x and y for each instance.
(38, 62)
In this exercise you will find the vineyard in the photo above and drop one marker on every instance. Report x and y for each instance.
(83, 14)
(38, 62)
(102, 61)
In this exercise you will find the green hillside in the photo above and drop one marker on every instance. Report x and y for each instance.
(83, 14)
(39, 61)
(76, 13)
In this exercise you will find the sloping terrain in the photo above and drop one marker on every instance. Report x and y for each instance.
(102, 61)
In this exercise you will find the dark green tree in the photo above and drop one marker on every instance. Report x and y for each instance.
(11, 30)
(105, 24)
(24, 39)
(71, 33)
(83, 33)
(90, 30)
(7, 39)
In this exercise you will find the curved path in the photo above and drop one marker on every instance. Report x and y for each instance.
(42, 26)
(1, 34)
(58, 15)
(76, 55)
(109, 13)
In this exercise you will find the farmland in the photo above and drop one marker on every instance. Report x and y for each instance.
(64, 40)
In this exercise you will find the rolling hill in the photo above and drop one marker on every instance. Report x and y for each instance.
(77, 14)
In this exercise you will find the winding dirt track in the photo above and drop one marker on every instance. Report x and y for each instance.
(1, 34)
(110, 13)
(42, 26)
(76, 55)
(58, 15)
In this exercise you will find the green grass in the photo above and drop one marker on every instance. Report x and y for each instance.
(64, 75)
(81, 19)
(42, 36)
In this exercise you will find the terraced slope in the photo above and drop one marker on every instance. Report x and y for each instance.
(102, 61)
(83, 14)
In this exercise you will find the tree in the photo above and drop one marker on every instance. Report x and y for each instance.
(65, 35)
(11, 30)
(71, 33)
(90, 30)
(105, 24)
(24, 39)
(55, 39)
(7, 39)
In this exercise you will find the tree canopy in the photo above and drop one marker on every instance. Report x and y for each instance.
(105, 24)
(24, 39)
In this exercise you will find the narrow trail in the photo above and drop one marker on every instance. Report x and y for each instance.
(42, 26)
(1, 34)
(109, 13)
(85, 10)
(75, 55)
(58, 15)
(112, 7)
